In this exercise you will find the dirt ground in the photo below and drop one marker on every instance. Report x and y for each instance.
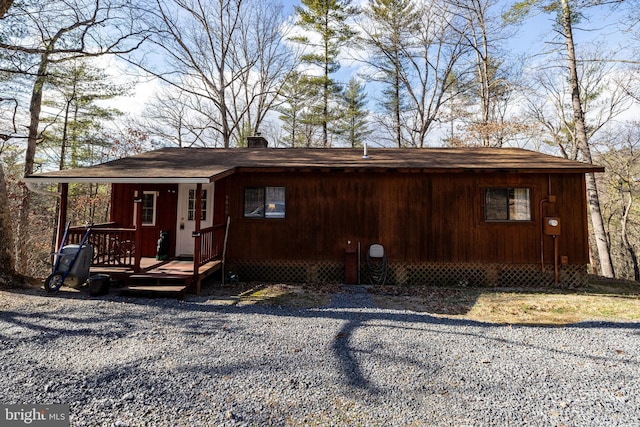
(601, 299)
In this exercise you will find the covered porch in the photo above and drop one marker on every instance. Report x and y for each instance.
(122, 251)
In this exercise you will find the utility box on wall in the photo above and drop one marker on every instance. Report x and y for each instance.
(350, 265)
(551, 226)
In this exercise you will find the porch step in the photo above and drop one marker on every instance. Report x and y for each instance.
(178, 290)
(160, 275)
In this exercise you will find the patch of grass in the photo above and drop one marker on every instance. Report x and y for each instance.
(543, 308)
(285, 295)
(447, 301)
(601, 300)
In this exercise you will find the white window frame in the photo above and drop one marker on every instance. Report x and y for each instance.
(193, 209)
(154, 208)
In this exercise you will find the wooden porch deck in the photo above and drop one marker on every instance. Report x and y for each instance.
(172, 276)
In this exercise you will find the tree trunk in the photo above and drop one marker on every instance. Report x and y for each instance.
(396, 106)
(4, 6)
(625, 238)
(7, 261)
(34, 110)
(604, 254)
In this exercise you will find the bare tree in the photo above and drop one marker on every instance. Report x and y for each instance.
(7, 260)
(433, 55)
(55, 32)
(621, 158)
(582, 139)
(227, 56)
(604, 93)
(172, 117)
(265, 47)
(487, 73)
(566, 19)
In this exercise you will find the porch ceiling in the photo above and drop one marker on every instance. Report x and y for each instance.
(202, 165)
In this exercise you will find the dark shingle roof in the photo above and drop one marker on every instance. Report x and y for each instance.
(207, 164)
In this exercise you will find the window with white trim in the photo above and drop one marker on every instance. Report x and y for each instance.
(191, 206)
(149, 201)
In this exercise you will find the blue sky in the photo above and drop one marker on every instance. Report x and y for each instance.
(533, 38)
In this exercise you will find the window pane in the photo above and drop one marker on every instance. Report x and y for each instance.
(148, 208)
(519, 204)
(274, 202)
(507, 204)
(495, 204)
(264, 202)
(203, 211)
(191, 206)
(254, 202)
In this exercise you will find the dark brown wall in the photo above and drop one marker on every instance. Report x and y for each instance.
(122, 196)
(416, 216)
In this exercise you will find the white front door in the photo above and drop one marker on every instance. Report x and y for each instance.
(186, 216)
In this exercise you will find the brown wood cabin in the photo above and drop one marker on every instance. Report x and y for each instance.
(444, 216)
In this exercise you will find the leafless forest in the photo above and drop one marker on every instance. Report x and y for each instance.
(409, 74)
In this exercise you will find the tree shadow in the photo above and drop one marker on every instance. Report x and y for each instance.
(352, 312)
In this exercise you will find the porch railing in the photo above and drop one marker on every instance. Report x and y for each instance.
(112, 246)
(211, 243)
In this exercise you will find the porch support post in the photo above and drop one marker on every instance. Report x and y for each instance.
(138, 236)
(197, 237)
(62, 215)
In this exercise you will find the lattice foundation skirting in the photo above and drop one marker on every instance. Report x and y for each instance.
(414, 274)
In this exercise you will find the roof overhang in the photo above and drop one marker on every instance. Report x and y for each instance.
(201, 166)
(44, 178)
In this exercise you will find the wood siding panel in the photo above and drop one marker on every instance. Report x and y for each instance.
(122, 196)
(417, 217)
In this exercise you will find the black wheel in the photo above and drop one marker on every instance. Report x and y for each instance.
(53, 282)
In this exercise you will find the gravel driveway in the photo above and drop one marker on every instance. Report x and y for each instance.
(125, 361)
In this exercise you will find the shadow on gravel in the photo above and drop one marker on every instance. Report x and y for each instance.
(355, 311)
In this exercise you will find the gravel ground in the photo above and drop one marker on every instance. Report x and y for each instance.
(126, 361)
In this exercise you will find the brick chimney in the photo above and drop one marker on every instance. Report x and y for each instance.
(256, 141)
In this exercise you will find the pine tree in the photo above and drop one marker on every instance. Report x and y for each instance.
(328, 20)
(353, 124)
(77, 130)
(297, 113)
(389, 28)
(76, 135)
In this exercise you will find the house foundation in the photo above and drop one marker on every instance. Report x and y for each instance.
(415, 274)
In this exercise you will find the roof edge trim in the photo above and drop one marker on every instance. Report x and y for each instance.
(123, 180)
